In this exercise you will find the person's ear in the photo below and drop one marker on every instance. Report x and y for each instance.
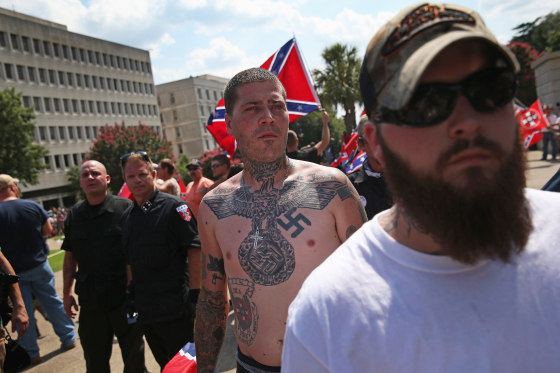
(371, 136)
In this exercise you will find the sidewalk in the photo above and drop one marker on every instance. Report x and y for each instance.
(56, 361)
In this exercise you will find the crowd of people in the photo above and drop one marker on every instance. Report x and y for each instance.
(432, 256)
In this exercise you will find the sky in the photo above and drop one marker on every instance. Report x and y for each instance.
(219, 37)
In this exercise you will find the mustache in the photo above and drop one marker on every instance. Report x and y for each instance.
(464, 144)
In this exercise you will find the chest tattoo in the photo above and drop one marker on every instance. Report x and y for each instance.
(265, 254)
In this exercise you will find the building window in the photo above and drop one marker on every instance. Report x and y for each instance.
(56, 50)
(112, 60)
(65, 52)
(2, 39)
(20, 73)
(94, 132)
(102, 83)
(90, 57)
(180, 147)
(9, 71)
(82, 55)
(71, 133)
(36, 46)
(175, 115)
(47, 160)
(207, 95)
(61, 77)
(37, 104)
(99, 111)
(119, 105)
(31, 73)
(75, 158)
(98, 58)
(52, 77)
(75, 106)
(83, 106)
(105, 59)
(26, 101)
(172, 98)
(52, 133)
(105, 107)
(56, 105)
(88, 133)
(47, 102)
(91, 107)
(79, 80)
(74, 53)
(69, 79)
(80, 135)
(66, 105)
(57, 161)
(113, 111)
(94, 81)
(86, 81)
(61, 133)
(42, 133)
(177, 132)
(25, 44)
(14, 40)
(42, 75)
(46, 48)
(118, 62)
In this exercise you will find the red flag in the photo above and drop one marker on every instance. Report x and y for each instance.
(182, 188)
(287, 64)
(531, 123)
(183, 362)
(125, 192)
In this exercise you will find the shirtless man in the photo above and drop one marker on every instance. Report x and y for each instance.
(265, 229)
(168, 183)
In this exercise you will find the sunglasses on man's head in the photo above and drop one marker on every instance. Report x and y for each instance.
(487, 90)
(143, 153)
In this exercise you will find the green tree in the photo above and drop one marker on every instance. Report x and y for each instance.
(526, 55)
(310, 127)
(543, 33)
(114, 141)
(73, 175)
(19, 157)
(338, 83)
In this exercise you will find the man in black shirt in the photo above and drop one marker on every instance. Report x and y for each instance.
(368, 179)
(95, 258)
(159, 234)
(309, 153)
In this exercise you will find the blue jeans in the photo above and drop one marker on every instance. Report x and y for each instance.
(548, 137)
(40, 281)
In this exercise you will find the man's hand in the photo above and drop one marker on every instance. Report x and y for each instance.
(70, 305)
(20, 320)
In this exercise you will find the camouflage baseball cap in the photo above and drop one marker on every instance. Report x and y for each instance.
(399, 53)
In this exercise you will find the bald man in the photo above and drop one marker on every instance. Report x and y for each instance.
(95, 258)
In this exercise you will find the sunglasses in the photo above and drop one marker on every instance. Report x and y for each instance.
(143, 153)
(487, 90)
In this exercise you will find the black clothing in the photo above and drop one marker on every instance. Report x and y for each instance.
(166, 338)
(309, 155)
(156, 237)
(96, 328)
(372, 189)
(93, 236)
(553, 185)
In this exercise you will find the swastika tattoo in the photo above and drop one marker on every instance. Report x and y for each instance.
(265, 254)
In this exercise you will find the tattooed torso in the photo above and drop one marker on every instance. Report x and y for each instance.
(271, 238)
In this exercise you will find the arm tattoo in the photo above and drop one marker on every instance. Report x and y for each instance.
(246, 316)
(216, 265)
(210, 328)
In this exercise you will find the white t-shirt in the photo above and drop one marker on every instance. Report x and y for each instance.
(378, 306)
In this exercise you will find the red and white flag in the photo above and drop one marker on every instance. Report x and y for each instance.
(183, 362)
(287, 64)
(532, 122)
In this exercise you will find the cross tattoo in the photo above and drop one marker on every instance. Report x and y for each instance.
(256, 238)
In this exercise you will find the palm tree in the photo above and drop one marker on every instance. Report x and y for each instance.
(338, 83)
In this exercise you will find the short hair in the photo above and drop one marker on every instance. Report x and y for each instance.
(167, 163)
(139, 158)
(292, 138)
(223, 159)
(253, 75)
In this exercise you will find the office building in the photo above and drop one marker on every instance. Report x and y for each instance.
(185, 106)
(76, 84)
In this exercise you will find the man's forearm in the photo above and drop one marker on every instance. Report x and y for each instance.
(68, 269)
(210, 328)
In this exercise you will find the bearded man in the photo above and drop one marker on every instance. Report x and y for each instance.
(461, 274)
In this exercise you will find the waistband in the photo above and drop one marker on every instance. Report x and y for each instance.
(247, 365)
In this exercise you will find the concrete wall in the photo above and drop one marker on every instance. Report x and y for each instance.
(547, 79)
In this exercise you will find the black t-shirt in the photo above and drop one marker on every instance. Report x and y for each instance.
(94, 237)
(372, 189)
(309, 155)
(156, 236)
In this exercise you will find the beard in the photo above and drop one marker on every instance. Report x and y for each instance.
(489, 219)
